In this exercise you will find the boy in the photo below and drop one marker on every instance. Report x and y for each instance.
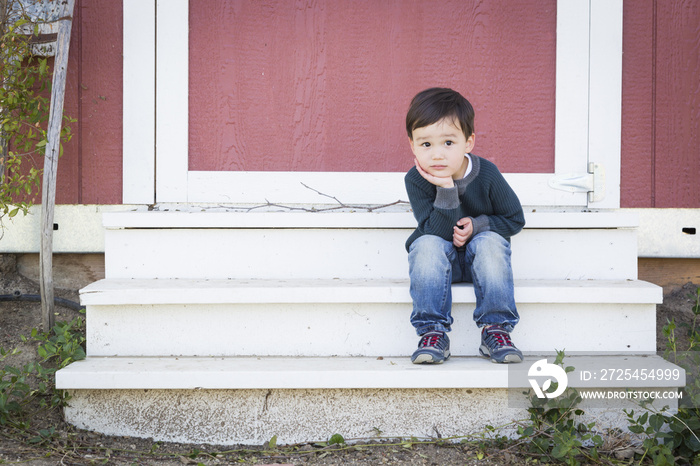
(466, 214)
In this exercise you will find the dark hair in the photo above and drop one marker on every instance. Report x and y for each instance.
(434, 104)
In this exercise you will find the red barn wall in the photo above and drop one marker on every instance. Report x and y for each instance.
(90, 171)
(661, 104)
(325, 85)
(661, 88)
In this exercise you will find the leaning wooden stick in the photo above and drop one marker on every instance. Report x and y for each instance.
(53, 141)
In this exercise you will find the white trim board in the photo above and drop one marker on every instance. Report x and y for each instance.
(348, 187)
(81, 230)
(139, 78)
(669, 233)
(588, 108)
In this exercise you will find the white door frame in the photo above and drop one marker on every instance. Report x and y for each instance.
(156, 48)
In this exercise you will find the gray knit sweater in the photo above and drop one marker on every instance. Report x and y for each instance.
(484, 195)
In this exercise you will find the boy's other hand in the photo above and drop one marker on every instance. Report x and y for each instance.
(462, 232)
(443, 182)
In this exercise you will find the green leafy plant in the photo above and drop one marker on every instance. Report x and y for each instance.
(684, 426)
(27, 390)
(14, 389)
(651, 426)
(675, 438)
(553, 431)
(24, 108)
(63, 345)
(336, 439)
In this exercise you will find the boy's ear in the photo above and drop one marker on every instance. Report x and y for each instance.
(470, 142)
(410, 143)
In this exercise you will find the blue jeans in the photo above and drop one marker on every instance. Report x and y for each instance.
(434, 264)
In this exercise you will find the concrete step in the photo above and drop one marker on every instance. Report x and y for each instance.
(250, 400)
(156, 317)
(264, 245)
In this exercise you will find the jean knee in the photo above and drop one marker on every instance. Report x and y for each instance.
(490, 249)
(429, 254)
(489, 243)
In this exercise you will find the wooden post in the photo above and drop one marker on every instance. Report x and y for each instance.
(3, 140)
(53, 143)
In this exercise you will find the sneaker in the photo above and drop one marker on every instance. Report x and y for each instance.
(496, 345)
(433, 348)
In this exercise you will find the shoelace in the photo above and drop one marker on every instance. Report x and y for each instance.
(501, 337)
(430, 339)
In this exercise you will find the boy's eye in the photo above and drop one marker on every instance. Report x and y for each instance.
(448, 143)
(426, 144)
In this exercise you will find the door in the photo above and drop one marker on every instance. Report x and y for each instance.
(586, 78)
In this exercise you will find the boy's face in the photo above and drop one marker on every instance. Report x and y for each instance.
(439, 148)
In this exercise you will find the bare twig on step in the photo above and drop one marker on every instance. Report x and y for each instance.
(341, 205)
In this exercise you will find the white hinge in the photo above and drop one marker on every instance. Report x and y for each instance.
(592, 182)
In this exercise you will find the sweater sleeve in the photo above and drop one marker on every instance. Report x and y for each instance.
(508, 218)
(436, 210)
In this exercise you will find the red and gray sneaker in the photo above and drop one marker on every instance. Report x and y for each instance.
(433, 348)
(496, 345)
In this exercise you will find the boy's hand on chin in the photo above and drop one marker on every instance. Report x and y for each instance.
(462, 232)
(443, 182)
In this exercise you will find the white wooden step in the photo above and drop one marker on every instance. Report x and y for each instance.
(264, 245)
(350, 317)
(226, 217)
(312, 291)
(189, 373)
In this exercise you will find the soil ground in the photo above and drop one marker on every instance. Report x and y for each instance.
(71, 446)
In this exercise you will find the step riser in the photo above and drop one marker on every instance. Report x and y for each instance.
(349, 253)
(253, 417)
(351, 329)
